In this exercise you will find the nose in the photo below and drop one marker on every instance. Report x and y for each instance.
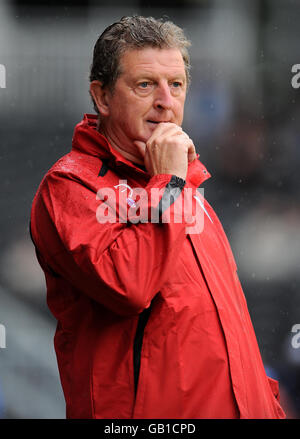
(163, 98)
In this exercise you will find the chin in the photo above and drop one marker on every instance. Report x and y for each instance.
(144, 137)
(148, 133)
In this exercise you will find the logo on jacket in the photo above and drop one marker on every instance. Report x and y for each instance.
(130, 201)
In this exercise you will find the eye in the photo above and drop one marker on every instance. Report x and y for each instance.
(176, 84)
(144, 84)
(144, 87)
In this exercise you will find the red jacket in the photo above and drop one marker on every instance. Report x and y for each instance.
(152, 320)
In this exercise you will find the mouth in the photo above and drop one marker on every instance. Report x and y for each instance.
(156, 122)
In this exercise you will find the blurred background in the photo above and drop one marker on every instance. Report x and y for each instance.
(242, 113)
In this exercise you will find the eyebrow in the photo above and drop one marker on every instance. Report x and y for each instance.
(153, 76)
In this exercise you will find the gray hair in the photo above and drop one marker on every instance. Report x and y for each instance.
(134, 32)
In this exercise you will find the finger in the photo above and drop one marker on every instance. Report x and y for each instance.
(163, 131)
(191, 151)
(192, 155)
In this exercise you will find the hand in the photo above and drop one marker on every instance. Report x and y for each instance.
(167, 151)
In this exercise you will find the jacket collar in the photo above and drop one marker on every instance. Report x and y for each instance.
(88, 140)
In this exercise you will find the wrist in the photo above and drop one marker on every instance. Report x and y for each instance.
(177, 181)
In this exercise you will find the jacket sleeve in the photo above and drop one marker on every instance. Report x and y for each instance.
(120, 265)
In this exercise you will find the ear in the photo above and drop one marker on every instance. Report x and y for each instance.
(100, 96)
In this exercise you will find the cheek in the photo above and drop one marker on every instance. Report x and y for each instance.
(135, 112)
(130, 113)
(180, 110)
(131, 119)
(179, 115)
(130, 122)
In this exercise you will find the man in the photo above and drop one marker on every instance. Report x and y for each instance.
(152, 320)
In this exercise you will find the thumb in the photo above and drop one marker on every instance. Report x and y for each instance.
(192, 155)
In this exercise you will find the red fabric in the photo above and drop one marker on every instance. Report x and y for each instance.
(200, 357)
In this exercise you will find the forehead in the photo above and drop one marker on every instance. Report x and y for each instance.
(152, 61)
